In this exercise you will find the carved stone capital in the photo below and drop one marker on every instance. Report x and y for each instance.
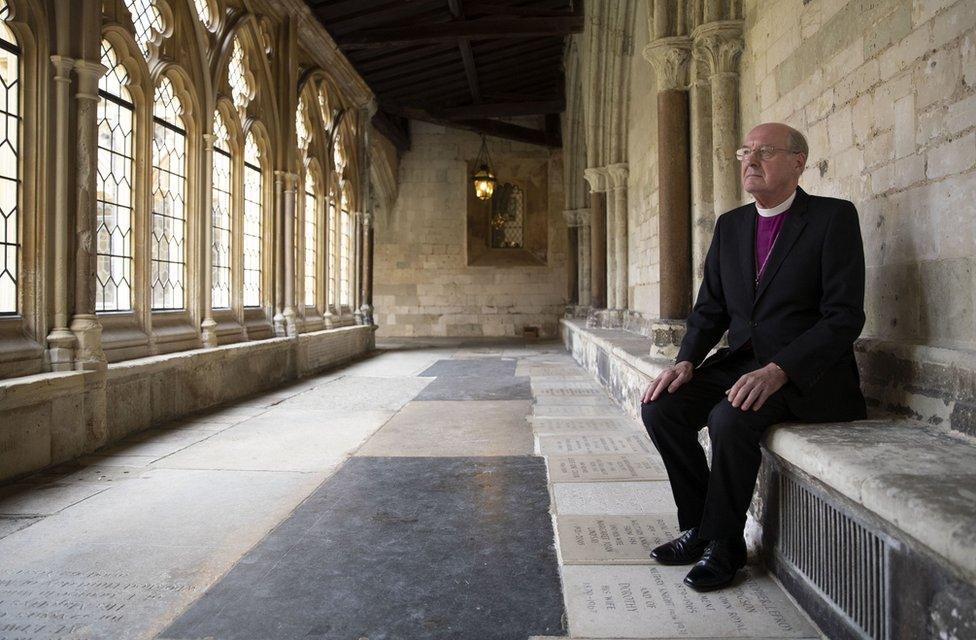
(670, 58)
(719, 45)
(618, 175)
(89, 73)
(597, 177)
(287, 180)
(577, 217)
(62, 68)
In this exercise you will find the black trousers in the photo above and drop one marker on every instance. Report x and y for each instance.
(716, 501)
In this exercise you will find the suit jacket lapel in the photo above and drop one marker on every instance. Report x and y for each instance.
(787, 237)
(747, 254)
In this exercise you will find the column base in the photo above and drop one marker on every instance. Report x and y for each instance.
(666, 336)
(605, 318)
(328, 319)
(279, 324)
(367, 314)
(291, 323)
(208, 333)
(87, 331)
(61, 349)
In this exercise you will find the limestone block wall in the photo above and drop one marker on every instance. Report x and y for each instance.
(644, 256)
(886, 93)
(423, 285)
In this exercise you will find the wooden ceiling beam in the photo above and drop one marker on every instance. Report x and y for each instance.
(489, 28)
(395, 11)
(500, 110)
(487, 127)
(464, 44)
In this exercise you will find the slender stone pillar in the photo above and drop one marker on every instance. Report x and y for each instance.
(61, 342)
(208, 327)
(598, 236)
(85, 324)
(702, 211)
(367, 288)
(719, 45)
(289, 184)
(618, 177)
(572, 266)
(583, 217)
(278, 268)
(358, 270)
(670, 57)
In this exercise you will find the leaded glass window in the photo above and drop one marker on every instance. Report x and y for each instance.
(311, 241)
(167, 273)
(301, 126)
(203, 12)
(220, 217)
(345, 257)
(253, 223)
(239, 77)
(9, 165)
(114, 196)
(507, 217)
(332, 231)
(146, 20)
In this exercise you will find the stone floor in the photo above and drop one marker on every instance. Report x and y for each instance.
(400, 497)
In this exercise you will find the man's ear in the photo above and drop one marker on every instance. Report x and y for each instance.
(801, 162)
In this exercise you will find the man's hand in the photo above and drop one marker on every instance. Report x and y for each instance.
(753, 388)
(670, 379)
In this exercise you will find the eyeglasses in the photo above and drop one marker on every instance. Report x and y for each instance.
(765, 152)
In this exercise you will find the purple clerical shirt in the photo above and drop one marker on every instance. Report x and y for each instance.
(767, 227)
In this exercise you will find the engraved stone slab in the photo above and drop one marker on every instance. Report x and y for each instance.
(549, 370)
(581, 425)
(576, 411)
(617, 498)
(613, 539)
(605, 468)
(651, 601)
(555, 445)
(600, 399)
(564, 388)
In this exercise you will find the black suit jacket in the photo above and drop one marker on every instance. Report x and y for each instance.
(806, 313)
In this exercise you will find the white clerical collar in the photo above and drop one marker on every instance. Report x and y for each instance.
(778, 209)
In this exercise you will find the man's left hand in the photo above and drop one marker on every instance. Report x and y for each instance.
(753, 388)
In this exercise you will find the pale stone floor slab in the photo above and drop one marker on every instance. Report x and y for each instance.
(120, 543)
(605, 467)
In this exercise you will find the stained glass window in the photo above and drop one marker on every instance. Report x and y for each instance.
(311, 241)
(146, 20)
(167, 272)
(9, 173)
(332, 231)
(239, 77)
(507, 217)
(253, 223)
(220, 217)
(345, 256)
(114, 196)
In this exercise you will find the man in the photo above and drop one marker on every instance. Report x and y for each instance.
(785, 276)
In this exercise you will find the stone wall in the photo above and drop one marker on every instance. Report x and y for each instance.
(886, 93)
(423, 284)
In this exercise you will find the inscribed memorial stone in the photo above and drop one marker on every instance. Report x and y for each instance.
(613, 539)
(605, 468)
(569, 444)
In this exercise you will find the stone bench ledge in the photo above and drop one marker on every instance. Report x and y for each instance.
(632, 348)
(915, 476)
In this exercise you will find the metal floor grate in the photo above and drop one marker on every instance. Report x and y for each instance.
(845, 561)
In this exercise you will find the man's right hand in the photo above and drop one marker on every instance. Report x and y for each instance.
(670, 379)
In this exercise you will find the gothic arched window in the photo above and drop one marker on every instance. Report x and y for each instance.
(507, 217)
(221, 216)
(239, 77)
(253, 223)
(311, 240)
(331, 233)
(146, 20)
(345, 254)
(9, 166)
(114, 195)
(167, 272)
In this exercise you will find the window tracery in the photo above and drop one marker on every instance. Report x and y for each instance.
(302, 134)
(345, 255)
(147, 21)
(115, 187)
(204, 12)
(168, 261)
(311, 240)
(253, 223)
(332, 232)
(239, 77)
(9, 166)
(221, 216)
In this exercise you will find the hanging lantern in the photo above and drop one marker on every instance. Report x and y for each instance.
(484, 178)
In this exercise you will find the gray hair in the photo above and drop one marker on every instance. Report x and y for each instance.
(797, 142)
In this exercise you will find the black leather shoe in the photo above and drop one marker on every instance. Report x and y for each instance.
(716, 569)
(685, 549)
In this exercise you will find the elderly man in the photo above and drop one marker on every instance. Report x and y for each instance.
(785, 276)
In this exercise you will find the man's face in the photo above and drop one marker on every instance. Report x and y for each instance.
(778, 174)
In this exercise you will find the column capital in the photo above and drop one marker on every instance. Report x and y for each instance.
(89, 73)
(62, 68)
(618, 175)
(597, 177)
(670, 58)
(577, 217)
(287, 179)
(719, 45)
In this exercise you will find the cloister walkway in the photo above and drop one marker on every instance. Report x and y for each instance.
(438, 489)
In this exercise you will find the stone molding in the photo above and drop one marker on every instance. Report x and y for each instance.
(577, 217)
(670, 58)
(719, 45)
(618, 173)
(598, 179)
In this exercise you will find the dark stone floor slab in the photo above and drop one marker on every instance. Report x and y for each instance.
(478, 387)
(398, 548)
(494, 367)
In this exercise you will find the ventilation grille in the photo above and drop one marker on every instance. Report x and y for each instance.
(843, 560)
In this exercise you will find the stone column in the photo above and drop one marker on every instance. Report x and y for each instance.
(61, 342)
(702, 211)
(618, 177)
(289, 184)
(670, 57)
(279, 256)
(610, 204)
(597, 179)
(84, 324)
(719, 46)
(357, 269)
(208, 327)
(583, 218)
(367, 288)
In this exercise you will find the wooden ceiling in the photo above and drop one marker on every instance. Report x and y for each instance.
(461, 63)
